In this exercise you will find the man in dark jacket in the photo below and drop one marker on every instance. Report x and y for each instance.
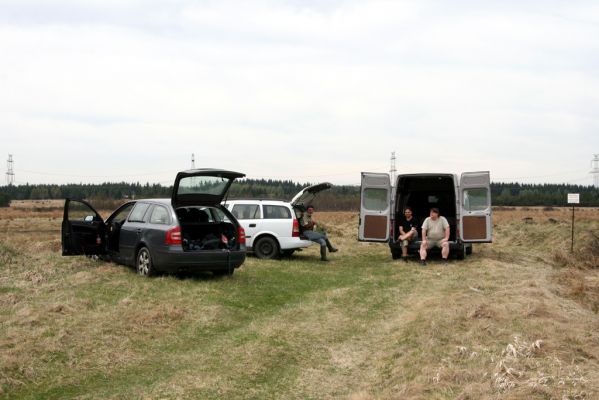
(408, 231)
(309, 226)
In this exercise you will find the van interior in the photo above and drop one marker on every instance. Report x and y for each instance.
(206, 228)
(421, 193)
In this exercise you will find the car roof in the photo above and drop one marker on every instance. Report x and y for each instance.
(166, 202)
(161, 201)
(249, 201)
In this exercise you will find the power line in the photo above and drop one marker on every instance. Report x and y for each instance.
(10, 173)
(595, 170)
(393, 170)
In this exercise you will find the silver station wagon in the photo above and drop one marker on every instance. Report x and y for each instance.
(190, 231)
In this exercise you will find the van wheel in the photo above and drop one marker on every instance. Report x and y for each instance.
(396, 255)
(469, 250)
(461, 253)
(266, 248)
(143, 263)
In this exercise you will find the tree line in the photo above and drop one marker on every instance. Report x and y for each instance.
(338, 198)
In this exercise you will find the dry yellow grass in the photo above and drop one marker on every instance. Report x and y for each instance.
(513, 321)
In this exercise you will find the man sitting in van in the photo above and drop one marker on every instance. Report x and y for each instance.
(435, 233)
(408, 231)
(308, 226)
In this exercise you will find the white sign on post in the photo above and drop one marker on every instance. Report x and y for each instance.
(573, 198)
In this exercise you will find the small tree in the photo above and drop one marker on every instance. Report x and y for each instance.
(4, 200)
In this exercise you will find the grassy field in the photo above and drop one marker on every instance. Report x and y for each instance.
(516, 320)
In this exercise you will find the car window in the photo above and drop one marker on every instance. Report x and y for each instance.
(375, 199)
(80, 211)
(137, 215)
(220, 215)
(476, 199)
(120, 215)
(212, 185)
(159, 215)
(276, 212)
(246, 211)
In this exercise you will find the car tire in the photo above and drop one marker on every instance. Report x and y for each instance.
(469, 250)
(266, 248)
(461, 252)
(143, 262)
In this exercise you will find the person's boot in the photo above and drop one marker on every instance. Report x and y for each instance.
(323, 253)
(330, 246)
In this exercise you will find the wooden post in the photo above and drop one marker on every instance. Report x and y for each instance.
(572, 246)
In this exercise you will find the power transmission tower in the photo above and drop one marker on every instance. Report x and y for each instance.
(10, 173)
(193, 161)
(393, 170)
(595, 170)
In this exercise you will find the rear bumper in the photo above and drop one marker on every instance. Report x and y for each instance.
(175, 259)
(288, 243)
(414, 247)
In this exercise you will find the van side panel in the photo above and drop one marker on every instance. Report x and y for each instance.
(475, 228)
(375, 227)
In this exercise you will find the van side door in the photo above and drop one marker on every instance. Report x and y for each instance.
(475, 207)
(375, 207)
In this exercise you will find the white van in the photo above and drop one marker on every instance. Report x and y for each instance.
(464, 201)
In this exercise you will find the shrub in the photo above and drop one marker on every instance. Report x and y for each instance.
(587, 256)
(4, 200)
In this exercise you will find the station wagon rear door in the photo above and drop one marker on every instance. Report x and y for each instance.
(202, 187)
(375, 207)
(307, 195)
(83, 230)
(475, 203)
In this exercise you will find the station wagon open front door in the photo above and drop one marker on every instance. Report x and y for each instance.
(475, 204)
(375, 207)
(83, 230)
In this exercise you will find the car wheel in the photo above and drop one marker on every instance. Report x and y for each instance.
(469, 250)
(266, 248)
(144, 264)
(461, 253)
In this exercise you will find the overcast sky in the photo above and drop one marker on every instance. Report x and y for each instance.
(113, 90)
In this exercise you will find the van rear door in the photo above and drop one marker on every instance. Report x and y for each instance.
(475, 203)
(375, 207)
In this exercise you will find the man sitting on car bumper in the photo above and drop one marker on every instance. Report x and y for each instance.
(309, 226)
(435, 233)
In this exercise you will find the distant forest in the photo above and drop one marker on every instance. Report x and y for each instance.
(340, 198)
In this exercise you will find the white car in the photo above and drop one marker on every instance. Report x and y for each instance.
(271, 227)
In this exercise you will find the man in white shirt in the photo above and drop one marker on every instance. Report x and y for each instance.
(435, 233)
